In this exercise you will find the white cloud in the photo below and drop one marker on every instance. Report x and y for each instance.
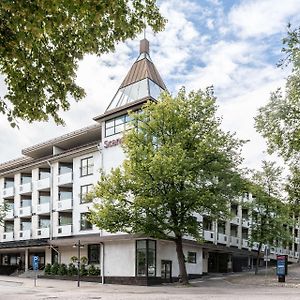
(256, 18)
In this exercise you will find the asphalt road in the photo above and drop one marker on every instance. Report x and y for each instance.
(237, 286)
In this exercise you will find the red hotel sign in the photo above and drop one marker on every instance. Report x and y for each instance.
(112, 143)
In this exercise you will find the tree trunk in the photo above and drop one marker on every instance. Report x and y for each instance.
(181, 260)
(257, 258)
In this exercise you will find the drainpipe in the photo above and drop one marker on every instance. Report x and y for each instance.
(102, 262)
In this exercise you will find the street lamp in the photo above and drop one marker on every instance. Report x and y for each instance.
(78, 245)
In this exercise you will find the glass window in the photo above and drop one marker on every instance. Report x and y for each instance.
(8, 226)
(25, 178)
(65, 168)
(233, 230)
(145, 258)
(65, 194)
(84, 190)
(86, 166)
(93, 254)
(25, 225)
(207, 223)
(221, 227)
(44, 173)
(25, 202)
(44, 223)
(8, 183)
(44, 197)
(85, 224)
(192, 257)
(65, 219)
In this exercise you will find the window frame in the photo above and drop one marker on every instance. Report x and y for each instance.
(192, 257)
(89, 254)
(85, 222)
(82, 201)
(88, 167)
(146, 258)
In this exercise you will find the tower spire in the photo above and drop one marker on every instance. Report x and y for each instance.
(144, 46)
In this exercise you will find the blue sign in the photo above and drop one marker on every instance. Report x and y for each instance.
(281, 262)
(35, 263)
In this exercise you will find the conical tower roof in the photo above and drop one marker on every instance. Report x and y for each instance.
(142, 81)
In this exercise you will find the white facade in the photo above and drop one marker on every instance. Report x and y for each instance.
(45, 193)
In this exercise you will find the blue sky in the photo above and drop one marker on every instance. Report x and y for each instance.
(232, 45)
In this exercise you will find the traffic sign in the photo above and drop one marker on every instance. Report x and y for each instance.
(35, 263)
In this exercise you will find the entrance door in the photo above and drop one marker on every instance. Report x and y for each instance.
(166, 270)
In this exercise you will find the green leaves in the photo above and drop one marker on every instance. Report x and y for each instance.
(178, 163)
(41, 43)
(279, 120)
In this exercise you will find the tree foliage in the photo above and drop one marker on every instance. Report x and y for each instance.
(279, 120)
(269, 213)
(179, 164)
(42, 41)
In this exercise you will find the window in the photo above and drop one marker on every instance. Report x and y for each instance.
(85, 224)
(44, 197)
(84, 190)
(25, 225)
(93, 254)
(65, 194)
(233, 230)
(65, 168)
(25, 201)
(25, 178)
(192, 257)
(86, 166)
(245, 233)
(8, 183)
(44, 173)
(221, 227)
(117, 125)
(234, 209)
(65, 219)
(207, 224)
(8, 226)
(146, 258)
(44, 223)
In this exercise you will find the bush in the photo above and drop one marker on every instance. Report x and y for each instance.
(83, 270)
(62, 270)
(47, 269)
(72, 270)
(54, 269)
(92, 271)
(84, 260)
(74, 259)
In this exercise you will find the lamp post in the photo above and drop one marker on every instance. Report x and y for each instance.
(78, 245)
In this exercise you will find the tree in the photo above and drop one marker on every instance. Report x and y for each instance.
(179, 164)
(268, 212)
(41, 43)
(279, 120)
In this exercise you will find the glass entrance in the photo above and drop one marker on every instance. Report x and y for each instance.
(166, 270)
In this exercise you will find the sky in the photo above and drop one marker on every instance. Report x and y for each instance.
(233, 45)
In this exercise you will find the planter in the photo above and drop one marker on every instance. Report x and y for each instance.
(73, 278)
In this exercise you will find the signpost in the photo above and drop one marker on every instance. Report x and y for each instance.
(281, 267)
(35, 266)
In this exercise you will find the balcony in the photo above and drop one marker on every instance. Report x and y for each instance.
(297, 240)
(25, 234)
(297, 254)
(65, 204)
(43, 232)
(235, 220)
(43, 184)
(8, 236)
(9, 214)
(43, 208)
(25, 188)
(65, 179)
(25, 211)
(64, 230)
(222, 238)
(8, 192)
(245, 243)
(234, 241)
(208, 235)
(245, 222)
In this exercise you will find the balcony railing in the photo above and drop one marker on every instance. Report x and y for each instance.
(43, 208)
(245, 243)
(25, 188)
(208, 235)
(234, 241)
(64, 230)
(43, 184)
(43, 232)
(65, 178)
(65, 204)
(9, 214)
(222, 238)
(25, 234)
(8, 236)
(8, 192)
(235, 220)
(25, 211)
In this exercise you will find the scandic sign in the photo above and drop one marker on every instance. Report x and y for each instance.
(112, 143)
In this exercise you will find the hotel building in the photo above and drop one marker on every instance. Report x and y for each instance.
(45, 192)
